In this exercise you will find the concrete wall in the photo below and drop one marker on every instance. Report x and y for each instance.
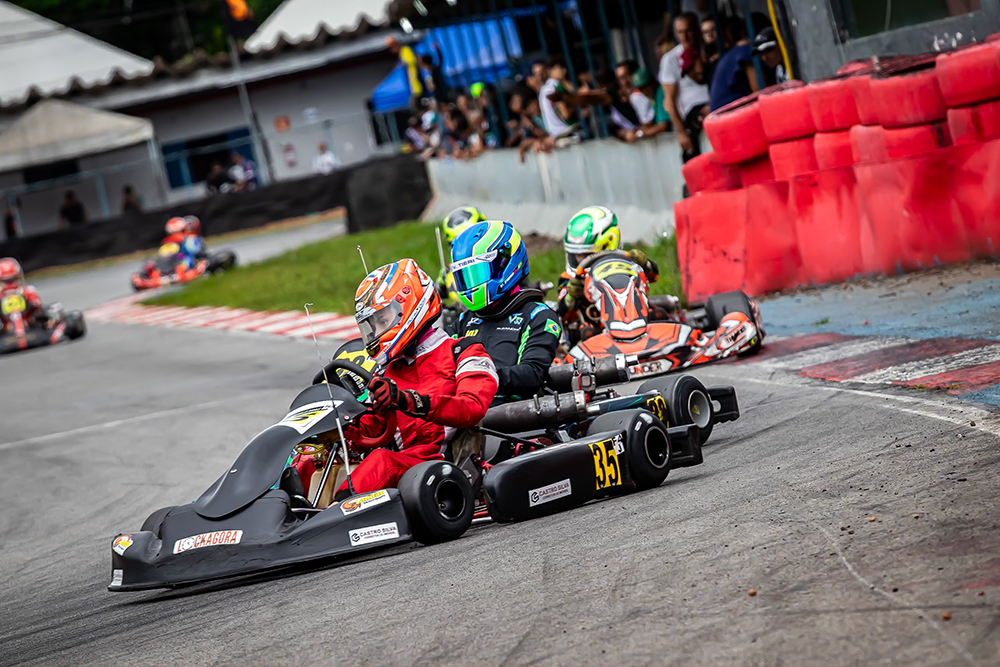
(640, 182)
(821, 51)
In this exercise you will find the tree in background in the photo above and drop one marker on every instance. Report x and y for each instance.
(170, 29)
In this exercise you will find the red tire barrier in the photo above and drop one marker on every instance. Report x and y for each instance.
(756, 171)
(911, 97)
(868, 144)
(785, 112)
(903, 142)
(862, 66)
(773, 261)
(828, 224)
(969, 75)
(832, 104)
(861, 91)
(980, 122)
(833, 149)
(793, 158)
(706, 174)
(736, 131)
(711, 242)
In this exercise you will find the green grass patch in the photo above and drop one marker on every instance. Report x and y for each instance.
(819, 323)
(327, 273)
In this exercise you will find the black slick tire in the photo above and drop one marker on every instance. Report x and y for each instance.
(438, 500)
(687, 401)
(76, 326)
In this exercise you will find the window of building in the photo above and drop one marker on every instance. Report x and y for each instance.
(861, 18)
(47, 172)
(189, 162)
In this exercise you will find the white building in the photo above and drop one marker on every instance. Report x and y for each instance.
(309, 72)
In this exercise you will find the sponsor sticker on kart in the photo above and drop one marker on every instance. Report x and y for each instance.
(619, 441)
(358, 503)
(116, 577)
(379, 533)
(547, 494)
(215, 539)
(122, 543)
(13, 303)
(304, 418)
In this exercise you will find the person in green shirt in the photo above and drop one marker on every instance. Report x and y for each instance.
(648, 86)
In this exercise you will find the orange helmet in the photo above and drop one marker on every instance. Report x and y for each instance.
(393, 306)
(619, 288)
(176, 225)
(193, 224)
(11, 274)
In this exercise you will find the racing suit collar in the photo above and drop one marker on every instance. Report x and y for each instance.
(509, 303)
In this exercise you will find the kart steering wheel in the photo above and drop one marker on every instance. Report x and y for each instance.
(329, 371)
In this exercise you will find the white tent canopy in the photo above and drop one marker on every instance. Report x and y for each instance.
(54, 130)
(50, 58)
(302, 20)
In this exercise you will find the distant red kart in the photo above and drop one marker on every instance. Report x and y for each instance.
(730, 324)
(170, 267)
(18, 333)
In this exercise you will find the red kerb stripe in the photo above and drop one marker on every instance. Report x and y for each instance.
(845, 369)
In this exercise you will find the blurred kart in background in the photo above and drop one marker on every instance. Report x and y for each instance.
(172, 266)
(661, 336)
(18, 333)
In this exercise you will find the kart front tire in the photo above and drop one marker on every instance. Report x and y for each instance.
(438, 500)
(687, 401)
(76, 326)
(647, 445)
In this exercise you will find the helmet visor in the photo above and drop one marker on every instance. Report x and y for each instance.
(383, 319)
(472, 272)
(574, 258)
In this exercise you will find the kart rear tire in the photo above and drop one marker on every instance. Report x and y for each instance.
(688, 402)
(438, 500)
(647, 445)
(155, 520)
(76, 326)
(221, 261)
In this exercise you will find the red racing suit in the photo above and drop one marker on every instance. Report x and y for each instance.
(31, 297)
(460, 390)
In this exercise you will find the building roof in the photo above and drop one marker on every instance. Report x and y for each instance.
(297, 21)
(40, 58)
(54, 130)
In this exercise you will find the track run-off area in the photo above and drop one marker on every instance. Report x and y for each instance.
(863, 515)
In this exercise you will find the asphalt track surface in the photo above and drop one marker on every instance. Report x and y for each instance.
(99, 433)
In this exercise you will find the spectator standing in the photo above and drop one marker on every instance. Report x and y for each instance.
(245, 172)
(72, 212)
(408, 59)
(539, 75)
(734, 76)
(710, 37)
(647, 86)
(557, 116)
(435, 78)
(219, 180)
(131, 203)
(684, 99)
(766, 44)
(325, 162)
(10, 220)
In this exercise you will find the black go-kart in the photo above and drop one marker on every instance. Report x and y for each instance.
(551, 453)
(55, 325)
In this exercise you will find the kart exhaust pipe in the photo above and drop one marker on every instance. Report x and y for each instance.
(604, 370)
(538, 413)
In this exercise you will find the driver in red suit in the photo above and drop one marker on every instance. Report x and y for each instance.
(432, 384)
(11, 281)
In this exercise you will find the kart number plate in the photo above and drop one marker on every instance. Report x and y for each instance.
(14, 303)
(658, 406)
(169, 249)
(606, 469)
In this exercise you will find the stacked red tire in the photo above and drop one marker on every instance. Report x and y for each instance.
(868, 144)
(785, 112)
(903, 142)
(971, 124)
(736, 132)
(969, 75)
(861, 91)
(793, 158)
(832, 104)
(833, 149)
(758, 170)
(706, 173)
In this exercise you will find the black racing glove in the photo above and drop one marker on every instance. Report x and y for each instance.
(413, 404)
(386, 395)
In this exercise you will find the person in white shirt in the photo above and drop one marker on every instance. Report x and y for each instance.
(556, 115)
(326, 161)
(684, 98)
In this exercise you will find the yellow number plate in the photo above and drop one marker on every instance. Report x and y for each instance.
(169, 249)
(606, 469)
(14, 303)
(658, 406)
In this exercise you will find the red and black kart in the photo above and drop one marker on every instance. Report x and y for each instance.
(728, 325)
(17, 333)
(171, 267)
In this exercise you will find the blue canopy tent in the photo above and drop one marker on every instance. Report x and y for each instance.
(469, 52)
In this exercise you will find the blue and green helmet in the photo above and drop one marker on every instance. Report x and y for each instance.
(488, 260)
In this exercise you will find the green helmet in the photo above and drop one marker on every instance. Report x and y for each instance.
(459, 220)
(591, 230)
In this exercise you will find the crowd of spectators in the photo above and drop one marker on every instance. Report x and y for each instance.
(707, 67)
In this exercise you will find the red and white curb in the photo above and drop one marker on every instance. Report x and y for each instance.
(957, 365)
(292, 324)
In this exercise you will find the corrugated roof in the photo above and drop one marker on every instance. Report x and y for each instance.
(55, 130)
(298, 21)
(40, 58)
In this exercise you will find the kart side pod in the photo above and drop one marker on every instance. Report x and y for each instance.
(623, 451)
